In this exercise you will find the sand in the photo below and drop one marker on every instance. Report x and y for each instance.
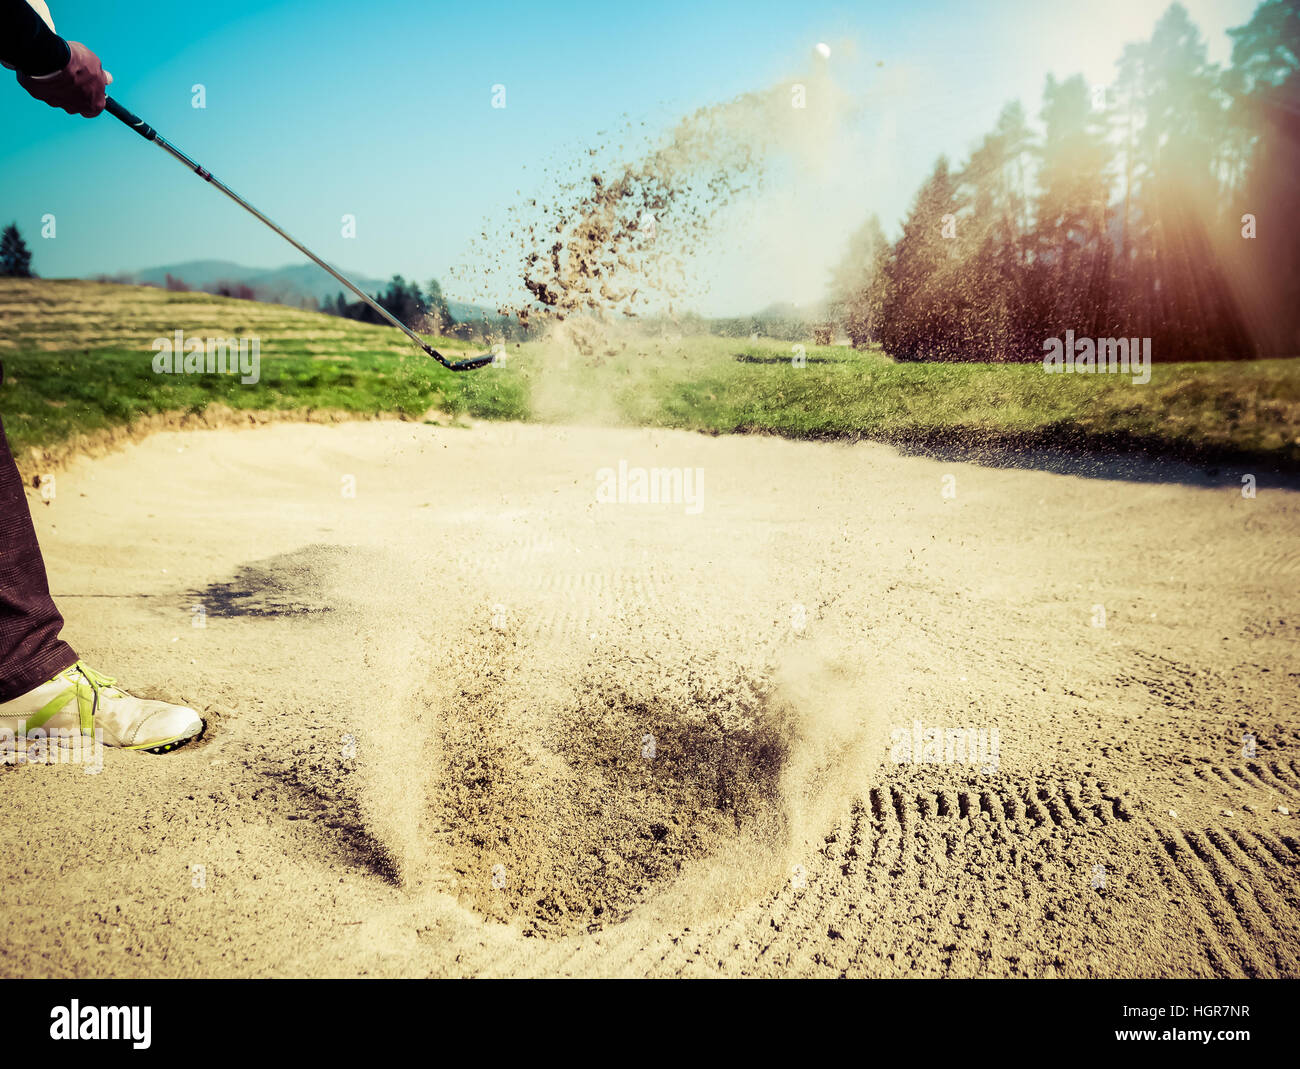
(471, 721)
(623, 227)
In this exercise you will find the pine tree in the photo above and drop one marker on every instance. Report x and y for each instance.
(1264, 86)
(921, 278)
(440, 318)
(992, 242)
(1071, 240)
(857, 287)
(15, 256)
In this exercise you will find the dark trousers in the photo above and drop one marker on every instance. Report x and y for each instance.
(31, 651)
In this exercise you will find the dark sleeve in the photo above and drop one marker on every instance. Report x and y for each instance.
(27, 43)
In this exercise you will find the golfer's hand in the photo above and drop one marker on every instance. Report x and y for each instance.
(78, 89)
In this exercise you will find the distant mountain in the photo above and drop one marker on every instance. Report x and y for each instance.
(294, 283)
(471, 313)
(288, 285)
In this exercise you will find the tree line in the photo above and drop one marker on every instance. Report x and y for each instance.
(1161, 206)
(425, 310)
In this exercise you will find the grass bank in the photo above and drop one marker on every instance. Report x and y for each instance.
(78, 359)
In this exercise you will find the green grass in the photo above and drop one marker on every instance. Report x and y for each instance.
(716, 385)
(78, 358)
(1189, 409)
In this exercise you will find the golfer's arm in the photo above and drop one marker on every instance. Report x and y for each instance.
(27, 43)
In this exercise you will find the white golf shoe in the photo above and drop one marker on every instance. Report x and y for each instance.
(79, 698)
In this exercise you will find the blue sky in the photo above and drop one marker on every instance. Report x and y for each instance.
(383, 110)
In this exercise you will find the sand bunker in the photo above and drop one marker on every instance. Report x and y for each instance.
(468, 721)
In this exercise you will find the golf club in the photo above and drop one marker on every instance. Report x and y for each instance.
(150, 134)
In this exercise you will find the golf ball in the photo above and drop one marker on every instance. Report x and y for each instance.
(823, 50)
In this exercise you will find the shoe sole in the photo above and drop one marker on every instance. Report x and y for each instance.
(166, 746)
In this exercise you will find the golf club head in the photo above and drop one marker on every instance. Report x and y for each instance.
(473, 362)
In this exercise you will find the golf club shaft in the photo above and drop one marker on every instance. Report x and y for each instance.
(150, 134)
